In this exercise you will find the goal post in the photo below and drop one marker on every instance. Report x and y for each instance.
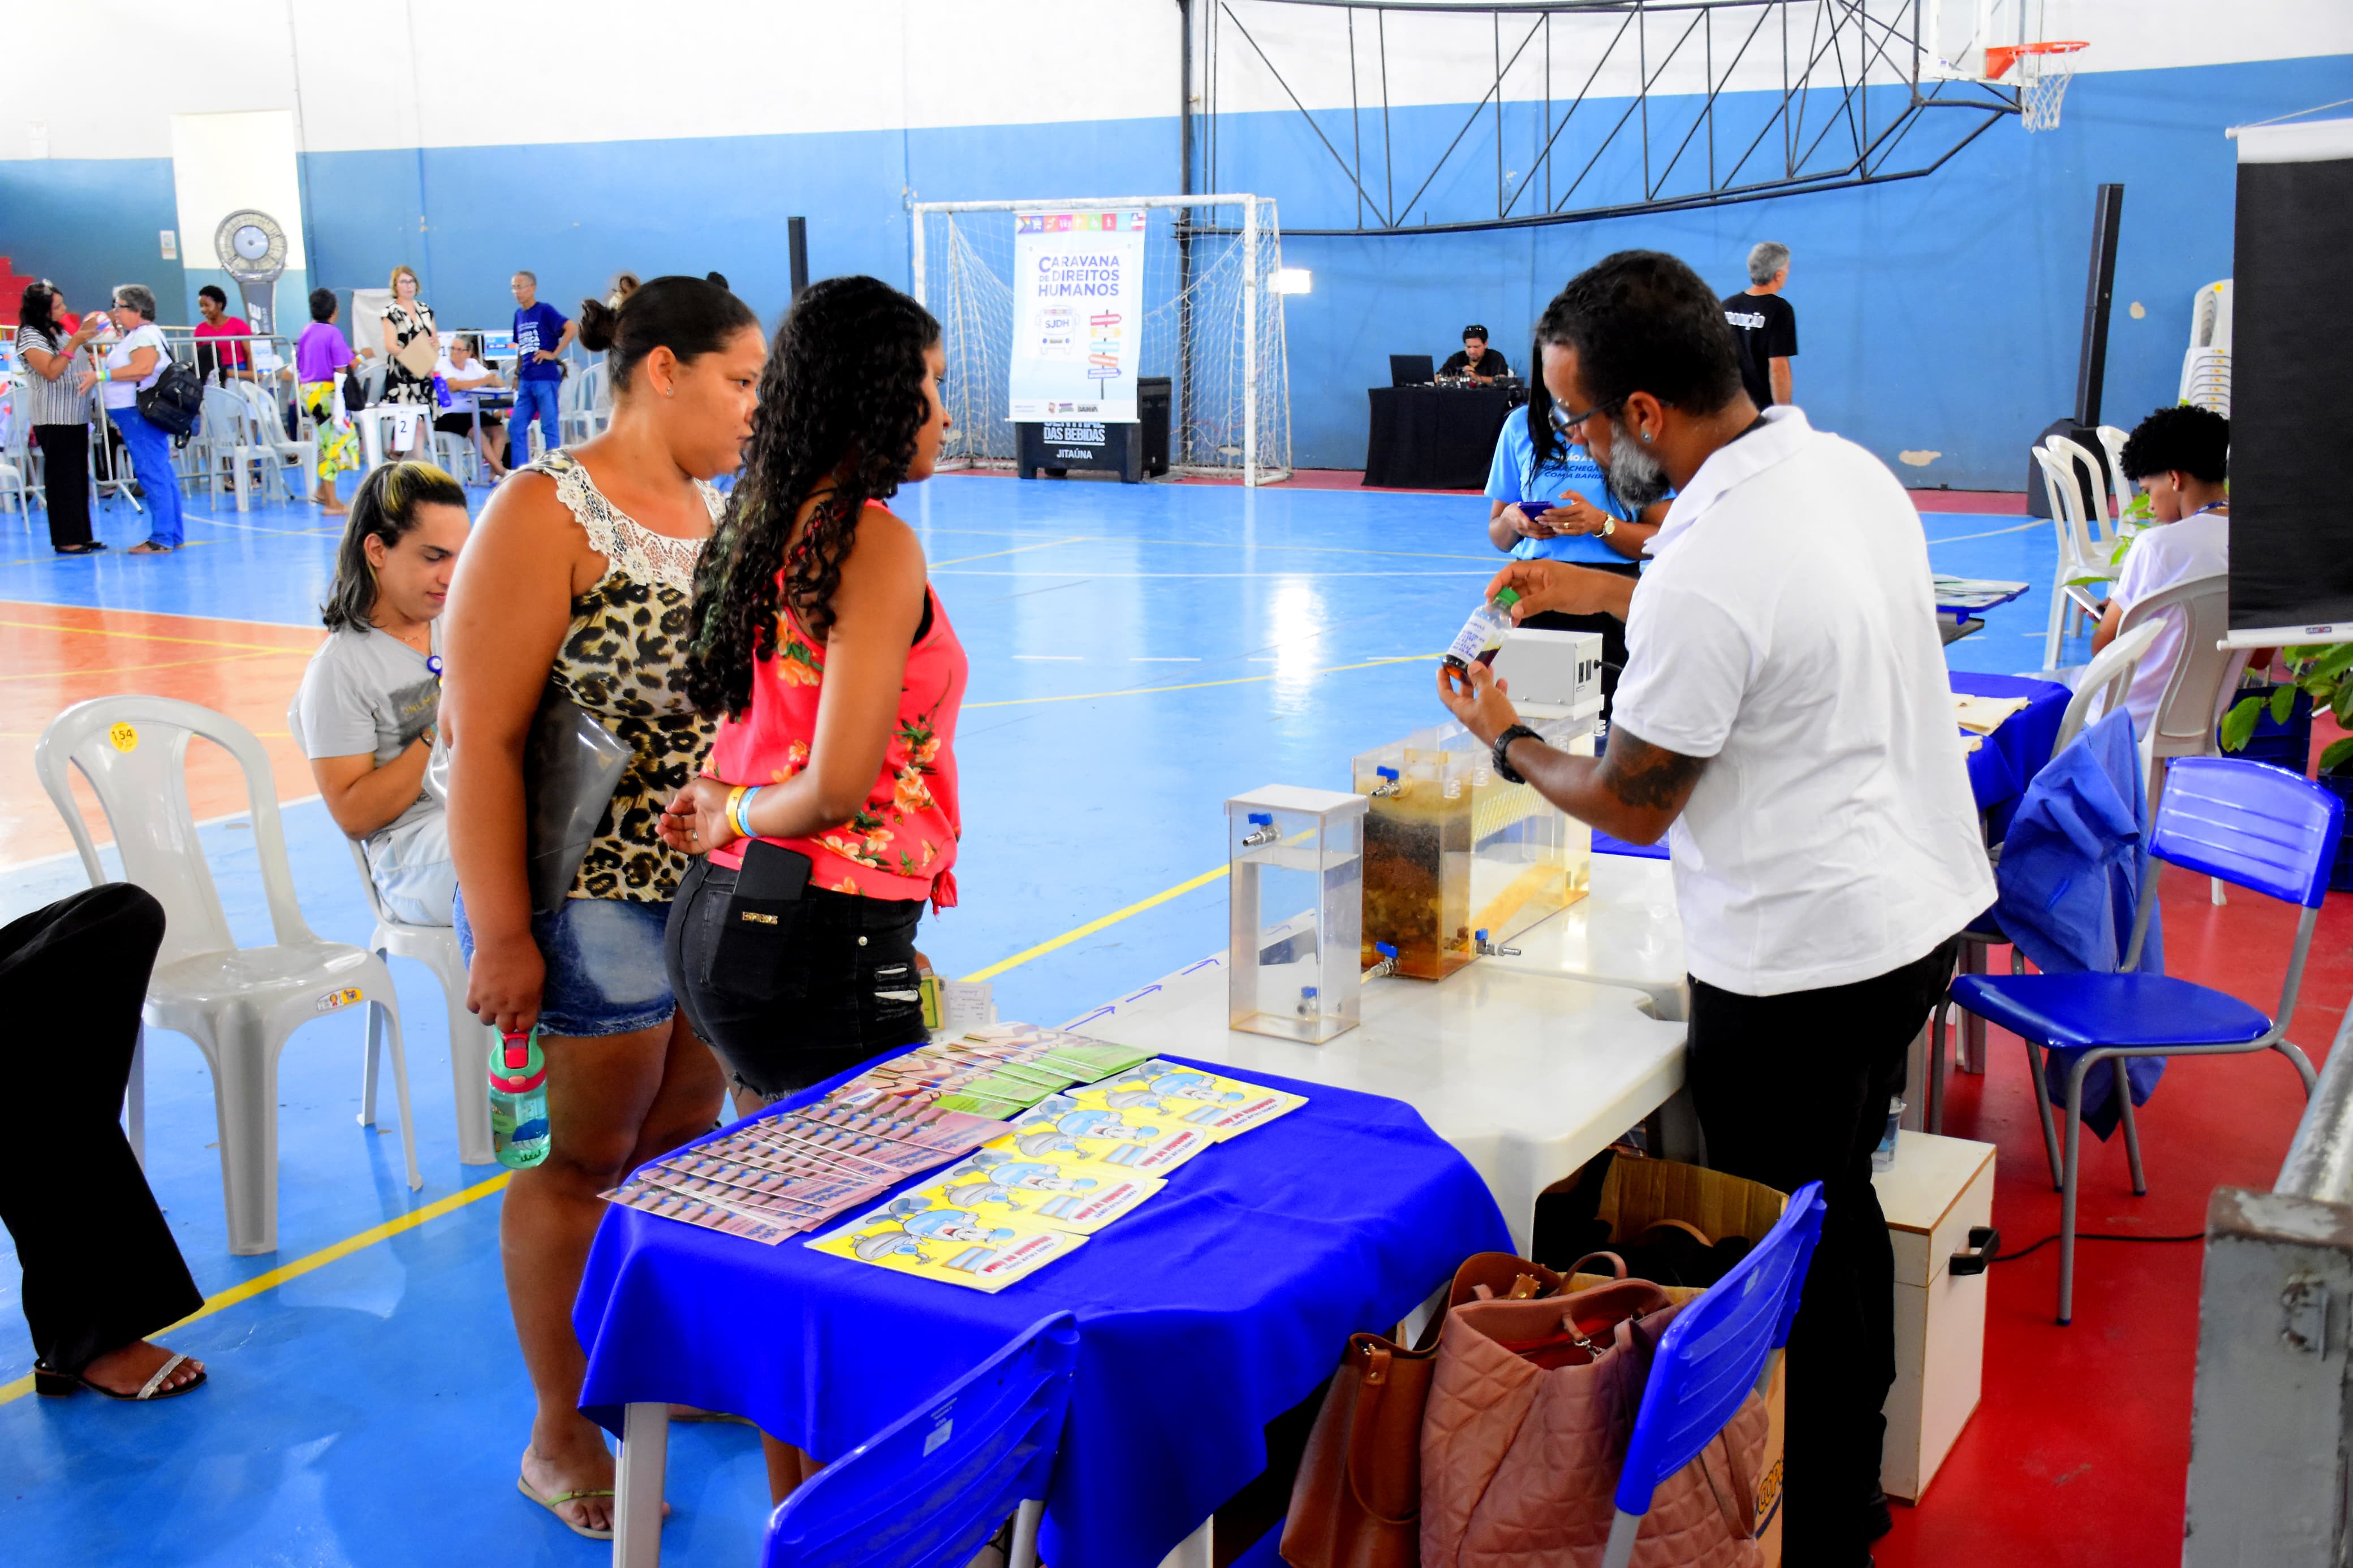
(1212, 325)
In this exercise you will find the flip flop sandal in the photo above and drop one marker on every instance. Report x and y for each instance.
(149, 547)
(555, 1505)
(60, 1384)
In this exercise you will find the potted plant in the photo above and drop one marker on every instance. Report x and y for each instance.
(2311, 676)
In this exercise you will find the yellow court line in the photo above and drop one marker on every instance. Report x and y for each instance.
(148, 636)
(1195, 685)
(1080, 933)
(1041, 545)
(261, 1284)
(168, 664)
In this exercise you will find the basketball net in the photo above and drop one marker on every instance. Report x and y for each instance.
(2044, 69)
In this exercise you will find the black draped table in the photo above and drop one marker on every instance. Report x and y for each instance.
(1432, 437)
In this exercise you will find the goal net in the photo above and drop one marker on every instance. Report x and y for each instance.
(1212, 326)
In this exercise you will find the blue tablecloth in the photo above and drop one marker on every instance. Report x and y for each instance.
(2001, 769)
(1217, 1306)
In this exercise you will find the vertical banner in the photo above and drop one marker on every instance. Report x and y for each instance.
(1077, 290)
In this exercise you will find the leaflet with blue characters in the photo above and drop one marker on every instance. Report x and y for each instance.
(922, 1235)
(1163, 1090)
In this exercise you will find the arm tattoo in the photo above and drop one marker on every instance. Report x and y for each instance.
(1646, 776)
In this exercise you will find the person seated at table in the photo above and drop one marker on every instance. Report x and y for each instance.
(371, 698)
(2181, 456)
(225, 360)
(466, 375)
(826, 655)
(1477, 361)
(1547, 499)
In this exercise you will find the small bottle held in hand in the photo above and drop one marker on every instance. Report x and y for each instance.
(519, 1102)
(1483, 633)
(440, 390)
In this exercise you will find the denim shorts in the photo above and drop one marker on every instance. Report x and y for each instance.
(604, 972)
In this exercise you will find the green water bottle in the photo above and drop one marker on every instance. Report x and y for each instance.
(519, 1102)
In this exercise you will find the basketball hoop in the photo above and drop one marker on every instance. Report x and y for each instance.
(2044, 69)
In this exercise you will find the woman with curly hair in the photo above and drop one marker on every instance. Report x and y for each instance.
(577, 585)
(828, 815)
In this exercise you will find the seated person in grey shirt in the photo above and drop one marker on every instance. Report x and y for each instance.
(367, 714)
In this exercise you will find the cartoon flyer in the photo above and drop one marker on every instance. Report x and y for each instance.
(1061, 1130)
(1169, 1091)
(916, 1235)
(1001, 1185)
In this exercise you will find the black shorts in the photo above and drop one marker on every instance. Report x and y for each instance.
(463, 424)
(830, 985)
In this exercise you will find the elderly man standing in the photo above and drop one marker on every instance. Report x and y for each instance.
(1786, 720)
(1764, 326)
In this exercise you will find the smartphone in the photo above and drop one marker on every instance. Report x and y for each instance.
(772, 873)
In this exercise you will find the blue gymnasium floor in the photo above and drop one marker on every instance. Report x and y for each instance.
(1138, 655)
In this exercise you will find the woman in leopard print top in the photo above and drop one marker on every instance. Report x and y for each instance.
(579, 582)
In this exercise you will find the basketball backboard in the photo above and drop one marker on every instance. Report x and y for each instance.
(1964, 29)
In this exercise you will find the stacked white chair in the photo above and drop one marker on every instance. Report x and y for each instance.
(269, 432)
(2082, 555)
(238, 1004)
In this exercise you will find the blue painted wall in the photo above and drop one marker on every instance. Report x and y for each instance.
(1939, 314)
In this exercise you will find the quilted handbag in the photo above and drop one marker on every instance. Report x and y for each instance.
(1531, 1403)
(1358, 1500)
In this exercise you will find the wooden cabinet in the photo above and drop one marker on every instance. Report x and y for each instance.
(1940, 1190)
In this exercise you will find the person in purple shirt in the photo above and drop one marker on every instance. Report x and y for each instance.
(542, 333)
(319, 353)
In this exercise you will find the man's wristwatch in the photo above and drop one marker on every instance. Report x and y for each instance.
(1504, 744)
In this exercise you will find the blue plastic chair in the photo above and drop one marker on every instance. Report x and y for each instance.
(1718, 1348)
(930, 1489)
(2262, 828)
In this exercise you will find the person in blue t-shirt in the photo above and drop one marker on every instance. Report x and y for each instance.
(542, 333)
(1546, 498)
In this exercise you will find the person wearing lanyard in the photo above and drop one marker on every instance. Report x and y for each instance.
(1786, 721)
(1549, 501)
(132, 366)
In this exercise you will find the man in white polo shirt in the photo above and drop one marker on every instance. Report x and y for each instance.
(1786, 721)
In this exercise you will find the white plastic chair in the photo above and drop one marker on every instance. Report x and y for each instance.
(2079, 557)
(240, 1004)
(458, 457)
(270, 431)
(229, 434)
(16, 454)
(2120, 488)
(471, 1039)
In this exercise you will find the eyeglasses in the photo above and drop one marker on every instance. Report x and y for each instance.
(1569, 424)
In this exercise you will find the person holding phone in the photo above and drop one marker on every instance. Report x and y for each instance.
(576, 586)
(1547, 499)
(827, 816)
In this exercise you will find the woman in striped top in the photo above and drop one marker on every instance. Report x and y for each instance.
(58, 411)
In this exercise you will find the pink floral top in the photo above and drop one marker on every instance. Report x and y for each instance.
(902, 843)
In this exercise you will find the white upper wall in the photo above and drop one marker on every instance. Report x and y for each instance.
(407, 73)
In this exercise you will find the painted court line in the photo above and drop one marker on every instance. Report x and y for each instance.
(261, 1284)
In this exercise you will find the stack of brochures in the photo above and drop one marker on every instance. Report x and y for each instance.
(1040, 1138)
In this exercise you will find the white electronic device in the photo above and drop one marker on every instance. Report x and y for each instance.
(1552, 675)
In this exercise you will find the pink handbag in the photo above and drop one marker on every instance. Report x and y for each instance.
(1530, 1407)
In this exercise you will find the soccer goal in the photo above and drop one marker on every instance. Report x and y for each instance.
(1212, 325)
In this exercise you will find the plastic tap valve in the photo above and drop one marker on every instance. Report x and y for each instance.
(1492, 949)
(1386, 965)
(1261, 830)
(1390, 784)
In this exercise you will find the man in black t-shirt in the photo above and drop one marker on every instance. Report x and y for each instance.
(1764, 326)
(1477, 361)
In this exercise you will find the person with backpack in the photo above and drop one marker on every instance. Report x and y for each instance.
(134, 364)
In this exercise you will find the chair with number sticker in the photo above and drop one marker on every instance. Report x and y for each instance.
(240, 1004)
(931, 1489)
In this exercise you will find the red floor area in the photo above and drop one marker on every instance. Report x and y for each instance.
(2079, 1452)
